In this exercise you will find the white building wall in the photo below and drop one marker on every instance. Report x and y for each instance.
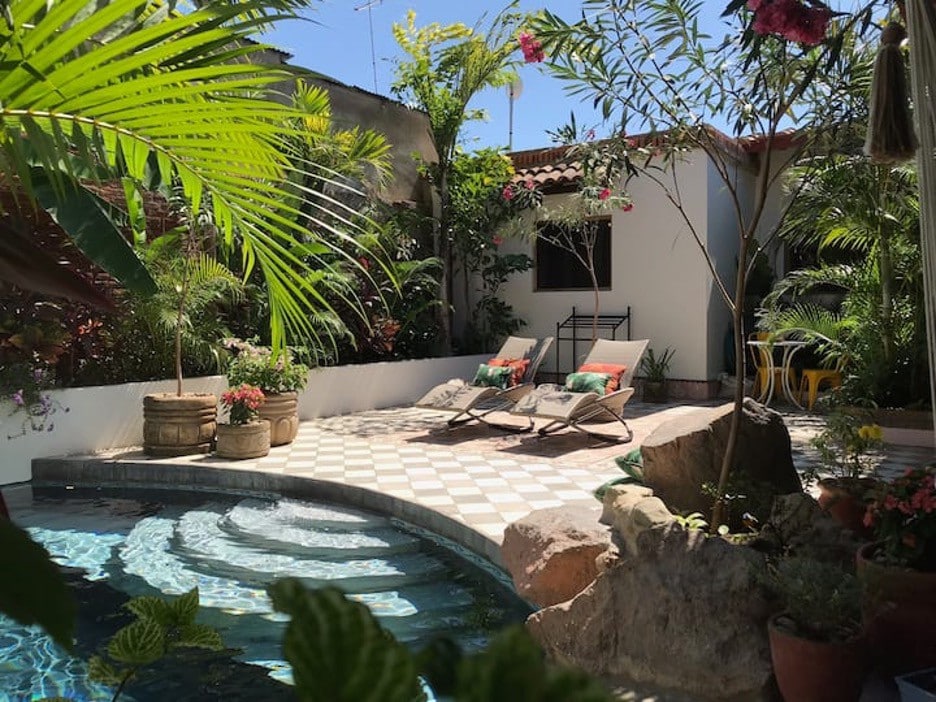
(656, 268)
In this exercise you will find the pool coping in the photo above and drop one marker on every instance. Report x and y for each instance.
(95, 471)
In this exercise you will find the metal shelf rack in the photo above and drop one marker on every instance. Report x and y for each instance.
(574, 322)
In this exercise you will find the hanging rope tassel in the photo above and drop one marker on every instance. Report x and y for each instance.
(891, 138)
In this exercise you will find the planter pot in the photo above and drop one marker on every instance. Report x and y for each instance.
(178, 425)
(844, 500)
(655, 391)
(281, 410)
(251, 440)
(918, 687)
(816, 671)
(899, 610)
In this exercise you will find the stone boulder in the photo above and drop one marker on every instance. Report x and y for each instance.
(799, 525)
(685, 613)
(552, 554)
(684, 453)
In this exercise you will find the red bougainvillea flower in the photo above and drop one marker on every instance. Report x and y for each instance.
(604, 194)
(628, 207)
(790, 19)
(532, 48)
(497, 240)
(529, 184)
(507, 193)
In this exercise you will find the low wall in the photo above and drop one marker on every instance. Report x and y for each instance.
(111, 416)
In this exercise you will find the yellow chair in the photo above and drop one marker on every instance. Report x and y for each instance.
(812, 378)
(762, 363)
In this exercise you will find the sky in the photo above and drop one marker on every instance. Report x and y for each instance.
(338, 44)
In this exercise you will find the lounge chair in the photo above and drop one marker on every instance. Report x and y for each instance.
(570, 409)
(474, 403)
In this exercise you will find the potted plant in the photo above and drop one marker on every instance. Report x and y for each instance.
(844, 448)
(654, 369)
(898, 570)
(245, 435)
(816, 644)
(177, 424)
(280, 379)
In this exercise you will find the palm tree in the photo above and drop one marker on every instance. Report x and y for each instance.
(135, 93)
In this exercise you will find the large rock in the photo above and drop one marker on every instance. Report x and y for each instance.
(685, 453)
(686, 613)
(799, 525)
(551, 553)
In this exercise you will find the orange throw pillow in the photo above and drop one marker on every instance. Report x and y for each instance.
(614, 369)
(519, 366)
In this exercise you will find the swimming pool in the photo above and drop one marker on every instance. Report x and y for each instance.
(129, 542)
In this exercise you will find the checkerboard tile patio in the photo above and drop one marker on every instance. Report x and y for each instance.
(479, 477)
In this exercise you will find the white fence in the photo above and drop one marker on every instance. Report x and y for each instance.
(111, 416)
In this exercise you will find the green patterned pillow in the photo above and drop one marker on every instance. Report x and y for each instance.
(493, 376)
(587, 382)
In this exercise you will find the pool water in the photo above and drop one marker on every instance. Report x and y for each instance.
(121, 543)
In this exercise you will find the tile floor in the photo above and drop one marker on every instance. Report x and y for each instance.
(481, 478)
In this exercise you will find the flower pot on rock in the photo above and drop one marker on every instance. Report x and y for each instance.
(178, 425)
(239, 441)
(816, 646)
(281, 410)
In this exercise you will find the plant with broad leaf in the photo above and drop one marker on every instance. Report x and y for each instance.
(243, 403)
(903, 517)
(649, 66)
(160, 628)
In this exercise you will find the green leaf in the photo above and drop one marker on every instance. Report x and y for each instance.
(154, 608)
(186, 607)
(103, 672)
(32, 590)
(139, 643)
(199, 636)
(82, 215)
(338, 651)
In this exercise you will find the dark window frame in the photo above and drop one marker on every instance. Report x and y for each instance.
(603, 260)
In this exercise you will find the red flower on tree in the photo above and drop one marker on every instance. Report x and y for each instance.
(532, 48)
(790, 19)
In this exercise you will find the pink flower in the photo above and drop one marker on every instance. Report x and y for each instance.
(532, 48)
(529, 184)
(497, 240)
(508, 193)
(589, 135)
(365, 263)
(791, 19)
(604, 194)
(628, 207)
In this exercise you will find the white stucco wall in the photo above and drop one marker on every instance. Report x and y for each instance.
(109, 417)
(657, 269)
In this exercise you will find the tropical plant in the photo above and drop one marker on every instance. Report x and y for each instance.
(139, 96)
(448, 66)
(656, 367)
(25, 387)
(160, 628)
(614, 55)
(862, 220)
(845, 443)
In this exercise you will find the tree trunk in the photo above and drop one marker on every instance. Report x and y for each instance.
(594, 280)
(720, 508)
(444, 254)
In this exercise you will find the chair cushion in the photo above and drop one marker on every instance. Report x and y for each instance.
(587, 382)
(615, 370)
(518, 365)
(493, 376)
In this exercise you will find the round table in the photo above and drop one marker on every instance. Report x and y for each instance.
(765, 348)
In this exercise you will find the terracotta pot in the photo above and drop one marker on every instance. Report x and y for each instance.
(816, 671)
(178, 425)
(899, 611)
(251, 440)
(281, 410)
(844, 499)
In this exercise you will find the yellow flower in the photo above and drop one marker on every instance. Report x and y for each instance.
(871, 432)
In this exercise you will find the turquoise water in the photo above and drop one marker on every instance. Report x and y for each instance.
(125, 543)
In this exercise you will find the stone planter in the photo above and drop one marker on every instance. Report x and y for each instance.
(899, 609)
(178, 425)
(816, 671)
(281, 410)
(237, 441)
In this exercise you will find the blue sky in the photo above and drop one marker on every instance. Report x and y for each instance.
(339, 46)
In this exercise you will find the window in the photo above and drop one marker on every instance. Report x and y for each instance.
(558, 269)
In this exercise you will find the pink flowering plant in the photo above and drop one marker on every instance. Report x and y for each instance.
(25, 387)
(256, 365)
(791, 20)
(243, 403)
(903, 516)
